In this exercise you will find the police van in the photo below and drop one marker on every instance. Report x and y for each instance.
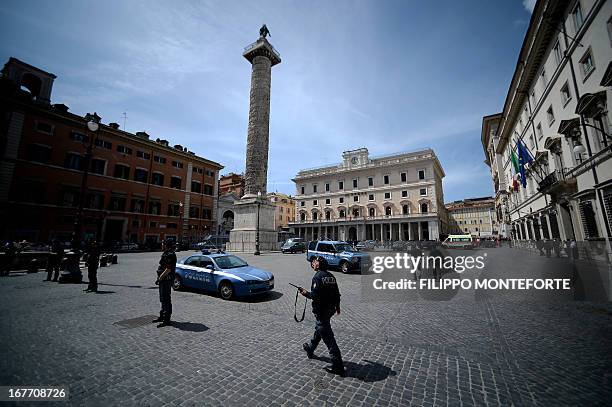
(340, 255)
(458, 242)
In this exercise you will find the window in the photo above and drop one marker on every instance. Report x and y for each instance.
(157, 179)
(356, 198)
(135, 223)
(45, 128)
(302, 189)
(103, 143)
(143, 155)
(533, 99)
(206, 213)
(557, 53)
(405, 210)
(586, 64)
(327, 202)
(531, 142)
(154, 207)
(354, 183)
(94, 200)
(302, 203)
(175, 182)
(565, 94)
(341, 199)
(141, 175)
(404, 194)
(370, 197)
(341, 185)
(74, 161)
(158, 159)
(388, 211)
(370, 181)
(342, 213)
(403, 177)
(117, 203)
(421, 174)
(315, 215)
(122, 171)
(196, 187)
(544, 78)
(577, 17)
(76, 136)
(386, 180)
(424, 208)
(539, 131)
(177, 164)
(69, 197)
(39, 153)
(315, 202)
(137, 205)
(152, 225)
(124, 149)
(372, 212)
(327, 187)
(174, 209)
(327, 215)
(302, 216)
(314, 188)
(610, 30)
(551, 115)
(387, 195)
(208, 189)
(423, 191)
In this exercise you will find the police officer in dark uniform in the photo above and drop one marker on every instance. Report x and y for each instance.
(93, 259)
(165, 277)
(325, 298)
(55, 260)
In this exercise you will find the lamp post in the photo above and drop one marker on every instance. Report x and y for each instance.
(73, 270)
(182, 226)
(257, 252)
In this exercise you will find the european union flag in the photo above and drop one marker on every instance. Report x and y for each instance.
(524, 157)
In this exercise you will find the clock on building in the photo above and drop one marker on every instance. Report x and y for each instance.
(355, 160)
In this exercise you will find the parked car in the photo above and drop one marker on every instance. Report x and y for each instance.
(458, 242)
(294, 245)
(366, 245)
(225, 274)
(340, 255)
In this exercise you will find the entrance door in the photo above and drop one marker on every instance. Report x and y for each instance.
(352, 234)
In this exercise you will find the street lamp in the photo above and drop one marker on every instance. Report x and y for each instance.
(73, 270)
(182, 225)
(257, 252)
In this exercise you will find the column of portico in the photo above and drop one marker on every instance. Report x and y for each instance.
(409, 231)
(420, 226)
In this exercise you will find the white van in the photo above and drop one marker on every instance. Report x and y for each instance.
(458, 242)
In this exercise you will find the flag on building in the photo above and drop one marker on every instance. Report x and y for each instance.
(515, 162)
(524, 158)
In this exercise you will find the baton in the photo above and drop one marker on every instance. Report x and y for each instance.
(295, 311)
(296, 286)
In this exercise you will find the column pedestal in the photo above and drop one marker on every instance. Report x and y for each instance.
(244, 235)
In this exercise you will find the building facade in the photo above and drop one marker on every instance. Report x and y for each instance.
(392, 197)
(284, 212)
(225, 218)
(474, 216)
(137, 190)
(557, 105)
(232, 184)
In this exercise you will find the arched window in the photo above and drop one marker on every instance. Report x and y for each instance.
(405, 210)
(372, 212)
(328, 215)
(315, 216)
(423, 208)
(302, 216)
(388, 211)
(342, 213)
(355, 212)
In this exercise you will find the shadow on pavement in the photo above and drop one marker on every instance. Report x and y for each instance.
(104, 292)
(189, 326)
(265, 297)
(368, 372)
(121, 285)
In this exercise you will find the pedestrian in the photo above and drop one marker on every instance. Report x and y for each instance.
(10, 252)
(557, 247)
(165, 277)
(325, 297)
(548, 247)
(55, 260)
(540, 247)
(93, 259)
(574, 249)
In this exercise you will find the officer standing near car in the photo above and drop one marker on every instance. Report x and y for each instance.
(325, 298)
(165, 277)
(55, 260)
(93, 258)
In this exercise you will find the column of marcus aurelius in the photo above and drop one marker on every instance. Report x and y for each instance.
(254, 215)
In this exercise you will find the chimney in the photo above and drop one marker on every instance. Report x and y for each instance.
(61, 107)
(178, 147)
(143, 135)
(114, 126)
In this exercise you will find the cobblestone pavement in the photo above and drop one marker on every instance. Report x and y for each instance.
(472, 348)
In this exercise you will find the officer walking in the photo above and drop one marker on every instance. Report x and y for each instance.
(93, 258)
(165, 277)
(325, 298)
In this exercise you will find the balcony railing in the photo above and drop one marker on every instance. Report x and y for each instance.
(553, 180)
(258, 42)
(364, 218)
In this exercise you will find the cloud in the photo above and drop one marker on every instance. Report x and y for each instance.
(529, 5)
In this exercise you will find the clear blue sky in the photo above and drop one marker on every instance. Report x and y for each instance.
(388, 75)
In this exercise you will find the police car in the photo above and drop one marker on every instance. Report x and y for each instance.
(226, 274)
(339, 255)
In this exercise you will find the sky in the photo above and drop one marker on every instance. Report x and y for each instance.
(388, 75)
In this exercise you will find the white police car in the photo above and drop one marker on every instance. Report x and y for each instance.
(226, 274)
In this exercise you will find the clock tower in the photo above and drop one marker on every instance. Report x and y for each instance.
(355, 158)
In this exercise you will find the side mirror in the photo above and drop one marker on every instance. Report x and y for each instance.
(210, 267)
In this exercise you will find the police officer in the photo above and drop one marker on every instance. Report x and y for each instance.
(325, 298)
(55, 260)
(165, 277)
(93, 258)
(10, 252)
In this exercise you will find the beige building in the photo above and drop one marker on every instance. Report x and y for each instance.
(392, 197)
(557, 106)
(285, 210)
(474, 216)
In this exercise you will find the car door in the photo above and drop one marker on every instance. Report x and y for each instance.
(328, 252)
(190, 271)
(207, 275)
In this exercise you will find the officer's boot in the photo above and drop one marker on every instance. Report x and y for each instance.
(337, 367)
(159, 319)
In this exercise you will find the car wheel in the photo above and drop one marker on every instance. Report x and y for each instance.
(226, 290)
(344, 267)
(177, 283)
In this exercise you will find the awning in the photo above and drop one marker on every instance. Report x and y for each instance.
(566, 127)
(607, 76)
(591, 104)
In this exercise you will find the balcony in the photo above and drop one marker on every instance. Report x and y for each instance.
(363, 219)
(557, 183)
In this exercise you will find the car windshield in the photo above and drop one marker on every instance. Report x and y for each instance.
(230, 262)
(344, 248)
